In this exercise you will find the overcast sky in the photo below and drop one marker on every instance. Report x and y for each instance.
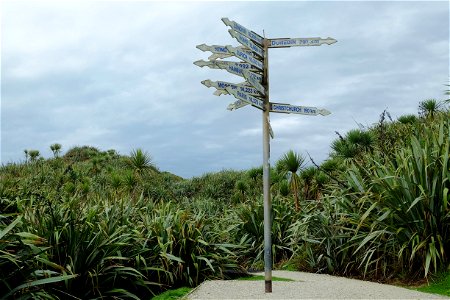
(120, 75)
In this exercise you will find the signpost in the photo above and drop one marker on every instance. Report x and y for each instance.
(255, 92)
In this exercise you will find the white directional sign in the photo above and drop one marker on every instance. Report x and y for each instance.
(224, 64)
(215, 56)
(246, 42)
(220, 51)
(270, 130)
(216, 48)
(241, 29)
(245, 57)
(254, 80)
(236, 70)
(236, 105)
(246, 98)
(221, 85)
(293, 109)
(283, 43)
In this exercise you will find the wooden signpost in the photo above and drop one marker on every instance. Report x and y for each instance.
(253, 67)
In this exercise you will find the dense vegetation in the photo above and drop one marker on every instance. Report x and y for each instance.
(92, 224)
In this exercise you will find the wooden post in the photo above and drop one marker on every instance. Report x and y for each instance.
(266, 177)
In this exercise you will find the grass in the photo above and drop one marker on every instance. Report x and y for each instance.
(173, 294)
(261, 277)
(440, 286)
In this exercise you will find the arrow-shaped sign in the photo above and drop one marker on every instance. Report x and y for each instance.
(215, 56)
(246, 42)
(220, 51)
(221, 85)
(224, 64)
(293, 109)
(236, 105)
(245, 57)
(254, 80)
(258, 103)
(241, 29)
(236, 70)
(283, 43)
(270, 128)
(215, 48)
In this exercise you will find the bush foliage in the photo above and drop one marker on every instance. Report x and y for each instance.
(93, 224)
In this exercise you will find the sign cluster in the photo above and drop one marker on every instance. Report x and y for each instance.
(251, 54)
(250, 67)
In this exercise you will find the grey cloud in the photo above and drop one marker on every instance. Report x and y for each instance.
(121, 75)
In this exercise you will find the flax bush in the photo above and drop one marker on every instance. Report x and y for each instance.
(391, 216)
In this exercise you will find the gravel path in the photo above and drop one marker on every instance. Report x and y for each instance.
(305, 286)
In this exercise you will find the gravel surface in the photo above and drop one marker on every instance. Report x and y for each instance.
(305, 286)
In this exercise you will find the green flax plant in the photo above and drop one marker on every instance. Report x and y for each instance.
(188, 250)
(415, 191)
(411, 215)
(391, 216)
(88, 244)
(250, 227)
(24, 266)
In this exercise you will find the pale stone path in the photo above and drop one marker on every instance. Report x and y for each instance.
(305, 286)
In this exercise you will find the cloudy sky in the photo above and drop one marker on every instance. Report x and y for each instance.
(120, 75)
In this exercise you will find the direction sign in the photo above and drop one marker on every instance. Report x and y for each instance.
(246, 42)
(270, 130)
(221, 51)
(224, 64)
(236, 105)
(253, 79)
(283, 43)
(213, 48)
(245, 57)
(220, 92)
(256, 78)
(241, 29)
(293, 109)
(221, 85)
(215, 56)
(258, 103)
(236, 70)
